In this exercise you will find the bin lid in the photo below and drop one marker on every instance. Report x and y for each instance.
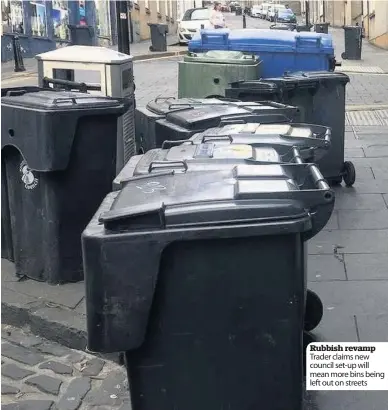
(312, 141)
(58, 100)
(203, 116)
(305, 79)
(291, 130)
(48, 146)
(257, 40)
(199, 117)
(203, 157)
(239, 194)
(305, 76)
(205, 198)
(85, 54)
(222, 57)
(164, 105)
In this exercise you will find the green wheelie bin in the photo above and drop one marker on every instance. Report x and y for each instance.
(203, 75)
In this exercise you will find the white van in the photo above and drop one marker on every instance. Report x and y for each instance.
(264, 10)
(256, 11)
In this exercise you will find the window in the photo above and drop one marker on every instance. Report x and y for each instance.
(103, 18)
(60, 19)
(38, 19)
(12, 16)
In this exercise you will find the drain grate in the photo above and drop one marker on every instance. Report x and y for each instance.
(373, 118)
(360, 69)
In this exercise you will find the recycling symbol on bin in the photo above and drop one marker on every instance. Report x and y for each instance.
(28, 178)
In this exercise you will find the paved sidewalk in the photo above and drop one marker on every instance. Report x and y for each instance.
(38, 374)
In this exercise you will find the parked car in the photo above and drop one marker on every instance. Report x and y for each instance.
(225, 8)
(191, 22)
(264, 10)
(285, 16)
(273, 10)
(256, 11)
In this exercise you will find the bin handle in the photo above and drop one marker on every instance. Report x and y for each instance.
(298, 159)
(325, 134)
(171, 143)
(82, 87)
(328, 136)
(319, 180)
(223, 36)
(64, 100)
(157, 99)
(199, 104)
(299, 39)
(181, 105)
(217, 138)
(316, 174)
(167, 164)
(231, 121)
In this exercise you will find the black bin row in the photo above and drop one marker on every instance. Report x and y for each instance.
(317, 97)
(195, 265)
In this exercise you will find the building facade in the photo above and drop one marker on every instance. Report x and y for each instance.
(372, 15)
(152, 11)
(43, 25)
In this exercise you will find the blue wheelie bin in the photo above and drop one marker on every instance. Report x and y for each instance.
(280, 51)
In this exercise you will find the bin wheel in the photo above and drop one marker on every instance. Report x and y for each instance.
(349, 173)
(314, 311)
(343, 55)
(151, 48)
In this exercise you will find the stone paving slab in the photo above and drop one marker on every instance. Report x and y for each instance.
(39, 374)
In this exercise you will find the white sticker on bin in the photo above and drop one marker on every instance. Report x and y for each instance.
(276, 129)
(260, 171)
(266, 155)
(264, 186)
(301, 132)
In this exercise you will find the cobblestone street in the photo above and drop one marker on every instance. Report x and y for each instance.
(41, 375)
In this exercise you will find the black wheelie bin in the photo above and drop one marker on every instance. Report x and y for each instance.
(200, 278)
(59, 154)
(166, 118)
(321, 99)
(353, 43)
(158, 36)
